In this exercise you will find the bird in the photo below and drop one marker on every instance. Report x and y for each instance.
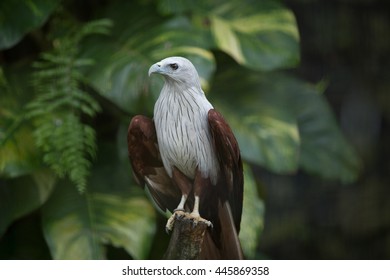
(189, 160)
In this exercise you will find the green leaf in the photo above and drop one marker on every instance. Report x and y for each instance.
(252, 221)
(20, 196)
(20, 17)
(18, 154)
(324, 149)
(167, 7)
(284, 123)
(111, 211)
(267, 133)
(67, 144)
(261, 35)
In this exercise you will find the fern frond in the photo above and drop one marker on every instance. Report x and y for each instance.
(68, 145)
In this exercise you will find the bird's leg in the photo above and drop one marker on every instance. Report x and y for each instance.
(184, 184)
(183, 200)
(195, 211)
(200, 184)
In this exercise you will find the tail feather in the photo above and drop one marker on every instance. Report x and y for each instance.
(226, 245)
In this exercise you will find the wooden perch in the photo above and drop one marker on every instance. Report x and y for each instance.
(186, 239)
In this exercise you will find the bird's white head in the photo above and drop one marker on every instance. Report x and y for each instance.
(177, 69)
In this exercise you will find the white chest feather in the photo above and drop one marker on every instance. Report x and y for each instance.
(183, 133)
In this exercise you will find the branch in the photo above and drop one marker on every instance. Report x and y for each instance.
(186, 240)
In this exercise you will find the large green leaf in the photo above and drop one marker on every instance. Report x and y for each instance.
(267, 133)
(18, 153)
(22, 195)
(20, 17)
(324, 149)
(283, 123)
(252, 220)
(261, 35)
(111, 211)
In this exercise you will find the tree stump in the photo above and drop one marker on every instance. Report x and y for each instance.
(186, 239)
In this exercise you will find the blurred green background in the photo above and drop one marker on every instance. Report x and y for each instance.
(303, 83)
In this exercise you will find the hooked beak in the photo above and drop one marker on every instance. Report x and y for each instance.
(155, 68)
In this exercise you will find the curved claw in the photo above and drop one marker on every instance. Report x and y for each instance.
(198, 219)
(171, 220)
(195, 217)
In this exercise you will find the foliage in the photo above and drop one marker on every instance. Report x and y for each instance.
(284, 124)
(254, 207)
(109, 212)
(29, 15)
(66, 142)
(69, 122)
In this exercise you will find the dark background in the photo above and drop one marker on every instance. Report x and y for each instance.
(347, 45)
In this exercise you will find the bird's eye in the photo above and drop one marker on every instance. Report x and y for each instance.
(174, 66)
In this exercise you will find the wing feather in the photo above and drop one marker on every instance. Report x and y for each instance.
(146, 163)
(229, 157)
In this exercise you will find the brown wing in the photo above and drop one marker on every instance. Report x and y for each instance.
(229, 157)
(147, 165)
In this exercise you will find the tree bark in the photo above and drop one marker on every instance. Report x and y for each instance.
(186, 239)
